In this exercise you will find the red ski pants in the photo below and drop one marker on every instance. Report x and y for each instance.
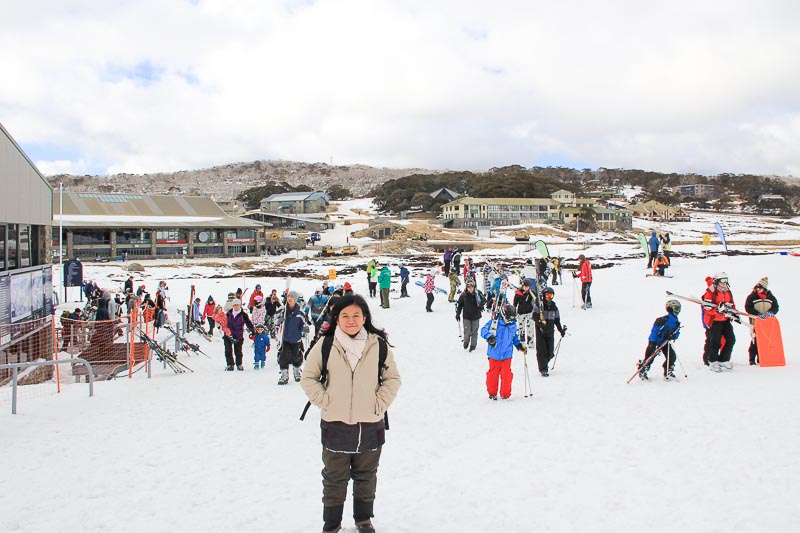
(499, 370)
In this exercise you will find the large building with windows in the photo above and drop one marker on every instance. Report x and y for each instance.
(296, 203)
(26, 276)
(110, 226)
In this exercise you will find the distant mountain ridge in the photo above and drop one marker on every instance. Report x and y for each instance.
(225, 182)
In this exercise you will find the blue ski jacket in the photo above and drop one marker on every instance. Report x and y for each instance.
(506, 339)
(293, 324)
(404, 275)
(653, 242)
(663, 327)
(261, 343)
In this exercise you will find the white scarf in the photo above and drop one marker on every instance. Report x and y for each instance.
(353, 346)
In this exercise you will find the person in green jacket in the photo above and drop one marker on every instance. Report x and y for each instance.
(371, 264)
(384, 283)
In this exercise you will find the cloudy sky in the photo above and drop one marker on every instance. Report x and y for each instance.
(161, 85)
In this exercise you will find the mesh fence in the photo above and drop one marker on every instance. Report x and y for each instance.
(25, 342)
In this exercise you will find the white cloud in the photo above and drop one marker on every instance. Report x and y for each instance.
(153, 86)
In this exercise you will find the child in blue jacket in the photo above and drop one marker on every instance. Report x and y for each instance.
(261, 347)
(501, 343)
(664, 328)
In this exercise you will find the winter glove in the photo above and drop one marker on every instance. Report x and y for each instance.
(252, 336)
(268, 348)
(492, 341)
(768, 314)
(522, 348)
(458, 318)
(563, 330)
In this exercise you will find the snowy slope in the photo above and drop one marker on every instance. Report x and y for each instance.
(217, 451)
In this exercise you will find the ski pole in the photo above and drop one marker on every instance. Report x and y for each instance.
(528, 388)
(573, 292)
(685, 375)
(555, 357)
(458, 327)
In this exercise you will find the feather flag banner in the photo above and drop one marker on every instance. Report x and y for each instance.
(721, 236)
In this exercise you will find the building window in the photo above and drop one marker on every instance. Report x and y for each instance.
(12, 246)
(138, 236)
(24, 245)
(171, 236)
(86, 237)
(207, 235)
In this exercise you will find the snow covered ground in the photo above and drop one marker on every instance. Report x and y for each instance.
(221, 451)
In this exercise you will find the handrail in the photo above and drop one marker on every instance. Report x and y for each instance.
(15, 371)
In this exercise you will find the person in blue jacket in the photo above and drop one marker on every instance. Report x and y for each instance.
(404, 279)
(260, 347)
(294, 327)
(317, 305)
(501, 343)
(653, 244)
(664, 328)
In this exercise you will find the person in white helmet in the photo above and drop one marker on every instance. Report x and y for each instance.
(718, 320)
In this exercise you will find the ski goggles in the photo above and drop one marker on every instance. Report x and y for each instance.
(548, 295)
(722, 281)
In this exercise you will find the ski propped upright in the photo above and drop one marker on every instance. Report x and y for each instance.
(643, 244)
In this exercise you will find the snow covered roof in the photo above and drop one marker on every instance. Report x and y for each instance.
(140, 210)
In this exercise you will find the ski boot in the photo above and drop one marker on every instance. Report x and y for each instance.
(715, 367)
(642, 372)
(365, 528)
(262, 364)
(493, 397)
(296, 371)
(229, 368)
(669, 375)
(284, 377)
(726, 365)
(256, 365)
(545, 373)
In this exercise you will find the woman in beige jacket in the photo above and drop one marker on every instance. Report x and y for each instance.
(353, 402)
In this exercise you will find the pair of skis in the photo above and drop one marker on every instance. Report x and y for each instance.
(647, 361)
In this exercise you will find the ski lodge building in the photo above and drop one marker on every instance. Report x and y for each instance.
(127, 226)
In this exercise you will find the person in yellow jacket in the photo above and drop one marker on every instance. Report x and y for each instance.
(353, 396)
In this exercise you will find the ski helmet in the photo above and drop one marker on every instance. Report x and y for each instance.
(674, 306)
(508, 312)
(720, 276)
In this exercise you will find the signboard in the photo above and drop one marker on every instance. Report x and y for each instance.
(706, 240)
(73, 273)
(20, 296)
(332, 274)
(240, 240)
(47, 287)
(5, 307)
(37, 293)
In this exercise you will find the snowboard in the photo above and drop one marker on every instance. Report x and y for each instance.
(769, 342)
(436, 289)
(651, 275)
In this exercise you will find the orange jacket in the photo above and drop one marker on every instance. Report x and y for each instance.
(586, 271)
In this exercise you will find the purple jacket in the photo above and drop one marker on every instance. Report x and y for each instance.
(237, 323)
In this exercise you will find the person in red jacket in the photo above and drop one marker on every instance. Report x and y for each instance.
(256, 292)
(719, 337)
(585, 274)
(208, 314)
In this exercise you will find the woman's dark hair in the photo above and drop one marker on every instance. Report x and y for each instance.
(354, 299)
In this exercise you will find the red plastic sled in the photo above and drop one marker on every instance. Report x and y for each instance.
(769, 342)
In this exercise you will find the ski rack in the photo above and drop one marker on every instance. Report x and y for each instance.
(184, 343)
(164, 355)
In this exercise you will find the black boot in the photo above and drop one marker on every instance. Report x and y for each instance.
(332, 515)
(362, 511)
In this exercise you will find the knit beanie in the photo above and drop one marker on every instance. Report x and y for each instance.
(763, 282)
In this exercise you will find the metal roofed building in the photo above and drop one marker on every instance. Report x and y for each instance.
(108, 225)
(26, 275)
(296, 203)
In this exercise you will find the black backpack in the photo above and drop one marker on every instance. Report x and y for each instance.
(327, 342)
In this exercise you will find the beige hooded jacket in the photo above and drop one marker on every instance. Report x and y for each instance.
(351, 396)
